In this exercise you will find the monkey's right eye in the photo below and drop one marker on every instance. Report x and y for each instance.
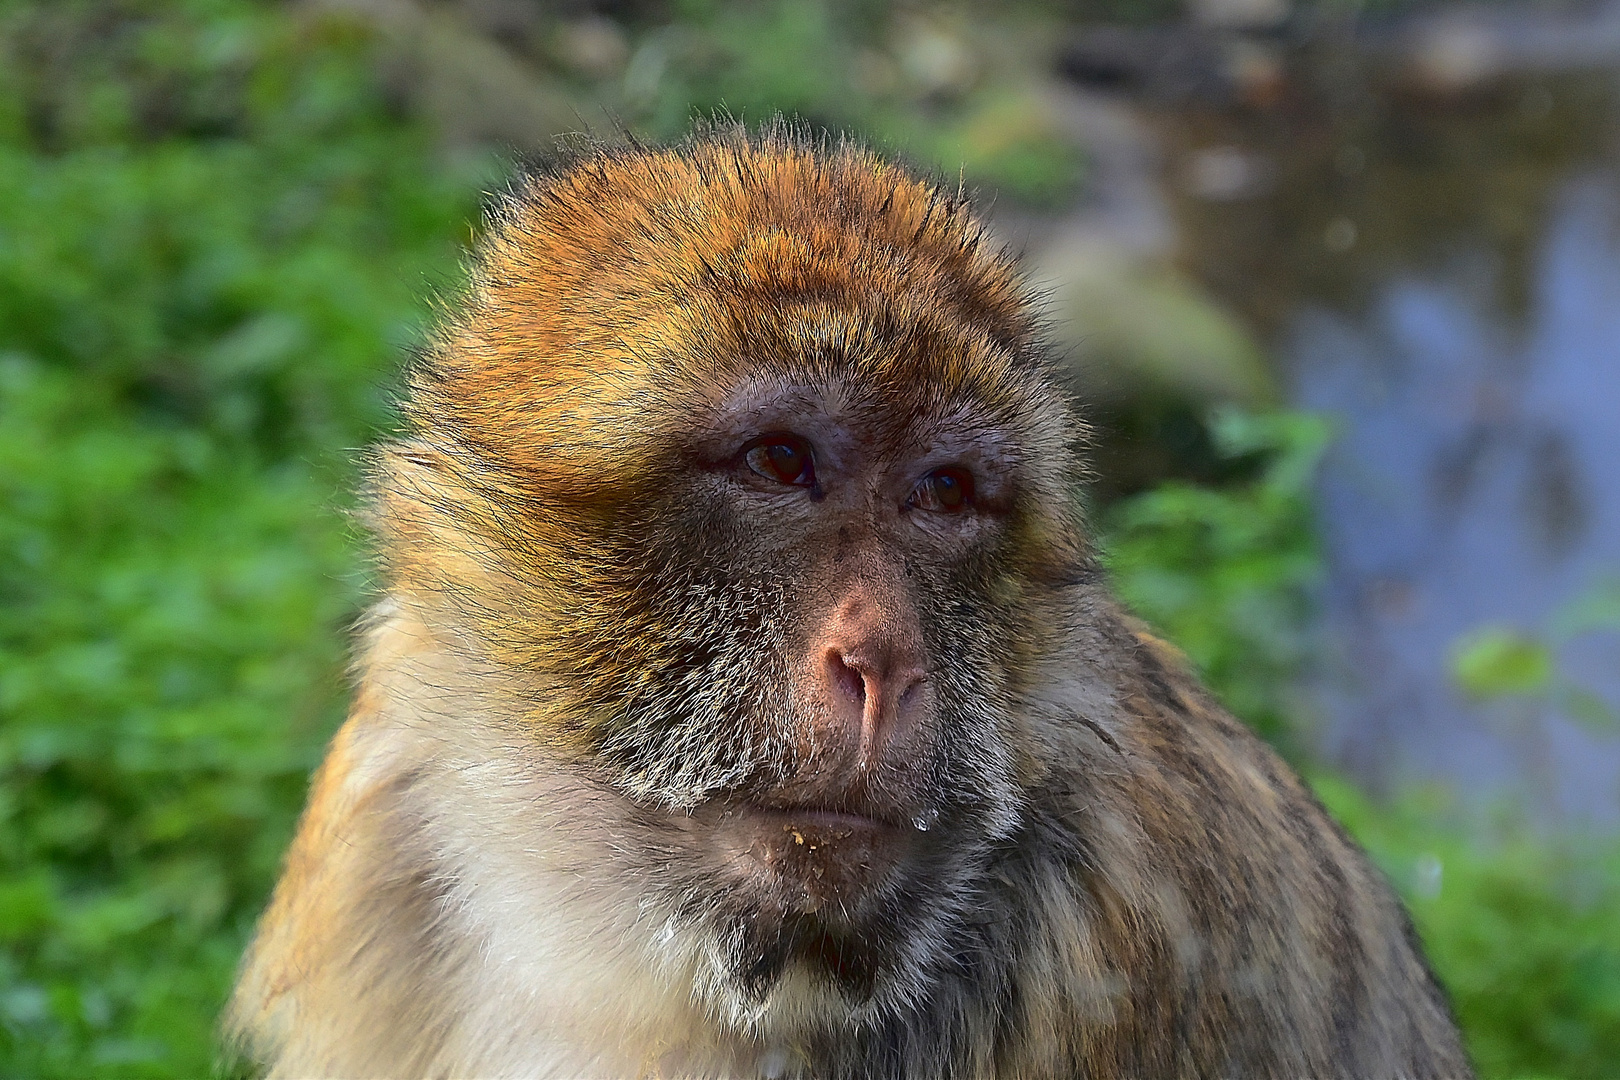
(783, 458)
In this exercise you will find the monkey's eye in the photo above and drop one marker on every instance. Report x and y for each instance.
(944, 491)
(783, 458)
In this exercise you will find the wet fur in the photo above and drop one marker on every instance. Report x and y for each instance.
(505, 868)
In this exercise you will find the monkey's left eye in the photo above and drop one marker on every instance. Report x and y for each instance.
(944, 491)
(783, 458)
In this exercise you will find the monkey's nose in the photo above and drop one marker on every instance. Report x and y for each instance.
(875, 695)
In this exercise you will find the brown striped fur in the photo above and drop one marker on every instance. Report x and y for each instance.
(512, 862)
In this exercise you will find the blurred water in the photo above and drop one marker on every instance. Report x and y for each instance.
(1476, 481)
(1442, 275)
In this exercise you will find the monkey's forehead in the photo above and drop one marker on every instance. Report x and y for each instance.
(625, 239)
(711, 196)
(708, 389)
(647, 280)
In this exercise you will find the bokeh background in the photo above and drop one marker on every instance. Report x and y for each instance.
(1339, 283)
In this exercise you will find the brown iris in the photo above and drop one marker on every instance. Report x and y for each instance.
(783, 458)
(944, 491)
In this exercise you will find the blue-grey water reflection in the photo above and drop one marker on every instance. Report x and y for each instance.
(1438, 268)
(1476, 481)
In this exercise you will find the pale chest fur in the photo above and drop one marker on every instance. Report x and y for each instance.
(545, 949)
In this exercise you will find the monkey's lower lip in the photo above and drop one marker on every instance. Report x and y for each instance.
(814, 860)
(821, 818)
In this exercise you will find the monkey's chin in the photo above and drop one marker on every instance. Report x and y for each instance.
(815, 861)
(818, 889)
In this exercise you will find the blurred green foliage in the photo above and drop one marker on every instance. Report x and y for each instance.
(1523, 928)
(214, 239)
(912, 85)
(1498, 661)
(218, 225)
(1226, 572)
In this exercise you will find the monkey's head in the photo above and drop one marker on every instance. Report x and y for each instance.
(742, 459)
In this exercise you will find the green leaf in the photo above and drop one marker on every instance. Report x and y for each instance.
(1499, 661)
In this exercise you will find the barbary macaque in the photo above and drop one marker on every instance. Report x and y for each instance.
(744, 698)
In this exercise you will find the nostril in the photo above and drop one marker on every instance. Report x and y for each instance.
(847, 677)
(911, 690)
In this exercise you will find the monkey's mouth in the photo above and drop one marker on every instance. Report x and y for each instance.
(828, 819)
(833, 884)
(831, 887)
(814, 859)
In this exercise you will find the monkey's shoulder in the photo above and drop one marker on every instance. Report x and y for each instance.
(1196, 895)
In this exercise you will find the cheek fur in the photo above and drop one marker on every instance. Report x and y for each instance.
(710, 710)
(973, 686)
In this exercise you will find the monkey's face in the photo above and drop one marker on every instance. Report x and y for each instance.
(756, 472)
(826, 590)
